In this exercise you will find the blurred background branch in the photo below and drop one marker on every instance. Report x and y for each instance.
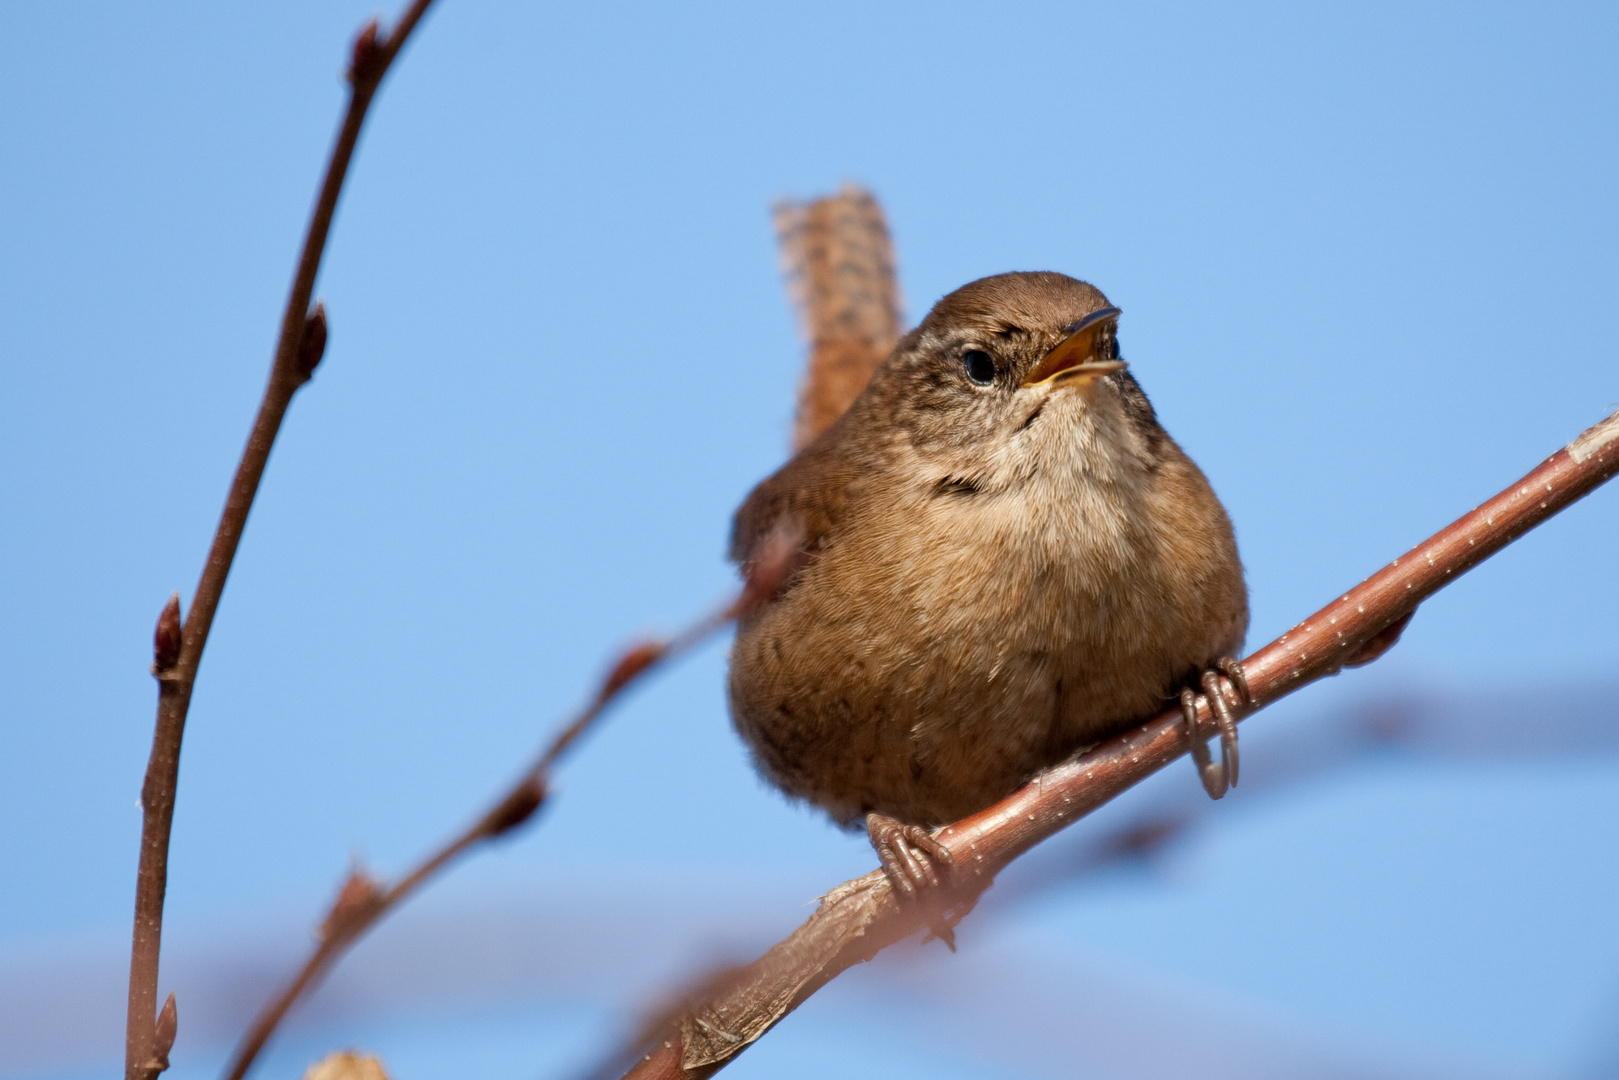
(362, 902)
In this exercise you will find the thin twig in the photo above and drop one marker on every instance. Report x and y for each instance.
(362, 902)
(298, 350)
(860, 917)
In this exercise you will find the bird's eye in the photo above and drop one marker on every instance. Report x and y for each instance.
(980, 368)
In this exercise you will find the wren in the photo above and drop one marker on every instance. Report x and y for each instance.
(994, 559)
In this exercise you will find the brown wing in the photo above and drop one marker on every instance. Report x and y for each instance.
(806, 497)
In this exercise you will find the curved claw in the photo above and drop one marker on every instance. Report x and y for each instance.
(1214, 776)
(1226, 722)
(908, 854)
(1217, 779)
(1233, 670)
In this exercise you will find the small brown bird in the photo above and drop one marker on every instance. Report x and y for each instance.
(994, 559)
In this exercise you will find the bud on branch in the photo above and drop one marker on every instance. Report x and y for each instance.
(367, 55)
(356, 901)
(312, 346)
(631, 664)
(517, 807)
(166, 638)
(168, 1022)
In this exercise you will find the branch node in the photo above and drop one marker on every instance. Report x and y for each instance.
(368, 57)
(517, 807)
(631, 664)
(162, 1038)
(166, 638)
(1379, 643)
(356, 900)
(312, 346)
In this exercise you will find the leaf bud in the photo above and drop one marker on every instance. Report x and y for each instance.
(166, 638)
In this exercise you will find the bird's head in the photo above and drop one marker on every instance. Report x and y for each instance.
(1013, 373)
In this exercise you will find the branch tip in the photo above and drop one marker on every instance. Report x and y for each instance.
(166, 638)
(356, 900)
(312, 346)
(368, 56)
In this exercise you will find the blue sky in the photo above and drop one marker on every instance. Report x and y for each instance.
(1366, 257)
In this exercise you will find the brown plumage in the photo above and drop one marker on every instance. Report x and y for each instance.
(839, 262)
(993, 573)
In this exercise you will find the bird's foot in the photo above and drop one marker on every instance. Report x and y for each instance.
(908, 854)
(913, 859)
(1217, 778)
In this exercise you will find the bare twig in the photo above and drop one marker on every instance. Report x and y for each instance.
(860, 917)
(839, 263)
(178, 651)
(362, 902)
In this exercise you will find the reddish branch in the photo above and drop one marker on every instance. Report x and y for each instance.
(362, 902)
(860, 917)
(178, 647)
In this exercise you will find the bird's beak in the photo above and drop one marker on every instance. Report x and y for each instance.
(1077, 358)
